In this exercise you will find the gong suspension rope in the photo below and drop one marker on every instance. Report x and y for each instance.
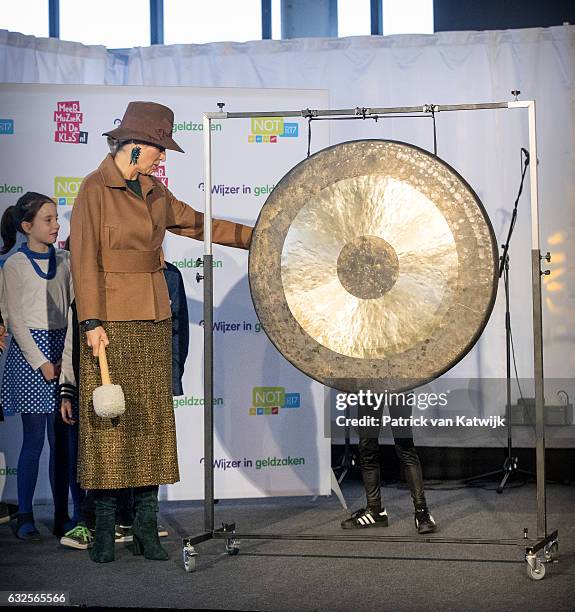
(309, 120)
(434, 131)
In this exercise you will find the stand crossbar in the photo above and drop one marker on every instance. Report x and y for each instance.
(545, 541)
(361, 112)
(228, 531)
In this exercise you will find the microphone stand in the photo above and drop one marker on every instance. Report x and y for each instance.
(511, 463)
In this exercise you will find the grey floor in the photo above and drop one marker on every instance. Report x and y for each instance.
(296, 575)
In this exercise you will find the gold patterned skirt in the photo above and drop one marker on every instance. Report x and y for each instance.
(139, 448)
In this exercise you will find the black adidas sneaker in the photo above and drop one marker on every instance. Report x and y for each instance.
(424, 522)
(365, 518)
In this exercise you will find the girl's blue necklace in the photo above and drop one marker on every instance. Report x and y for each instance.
(33, 256)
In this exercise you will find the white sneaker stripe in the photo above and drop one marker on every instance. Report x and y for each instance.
(369, 517)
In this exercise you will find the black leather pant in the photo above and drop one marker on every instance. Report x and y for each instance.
(406, 452)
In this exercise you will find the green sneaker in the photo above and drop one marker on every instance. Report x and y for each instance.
(80, 537)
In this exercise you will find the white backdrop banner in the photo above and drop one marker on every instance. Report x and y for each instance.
(269, 435)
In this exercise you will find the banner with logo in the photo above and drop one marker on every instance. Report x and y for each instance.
(269, 434)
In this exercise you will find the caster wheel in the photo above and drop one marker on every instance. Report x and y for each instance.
(551, 551)
(232, 547)
(189, 556)
(538, 572)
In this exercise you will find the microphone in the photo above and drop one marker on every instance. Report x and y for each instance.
(526, 153)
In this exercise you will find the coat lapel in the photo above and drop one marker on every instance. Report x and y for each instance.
(111, 174)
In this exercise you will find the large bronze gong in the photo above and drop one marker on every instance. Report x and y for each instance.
(373, 264)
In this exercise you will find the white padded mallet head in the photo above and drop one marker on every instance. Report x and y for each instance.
(108, 400)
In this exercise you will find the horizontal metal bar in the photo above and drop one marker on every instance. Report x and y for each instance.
(340, 112)
(374, 117)
(360, 112)
(248, 115)
(427, 108)
(534, 548)
(198, 539)
(351, 538)
(462, 107)
(521, 104)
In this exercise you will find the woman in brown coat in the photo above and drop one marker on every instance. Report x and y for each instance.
(117, 228)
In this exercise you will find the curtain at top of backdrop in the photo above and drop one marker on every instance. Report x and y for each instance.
(372, 64)
(28, 59)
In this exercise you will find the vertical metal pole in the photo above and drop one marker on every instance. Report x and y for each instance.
(208, 335)
(537, 332)
(376, 9)
(333, 18)
(156, 22)
(266, 19)
(54, 18)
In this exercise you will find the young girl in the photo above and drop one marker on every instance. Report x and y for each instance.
(37, 293)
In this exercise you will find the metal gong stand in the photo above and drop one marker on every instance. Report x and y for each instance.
(537, 550)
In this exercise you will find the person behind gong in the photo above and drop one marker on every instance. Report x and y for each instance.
(118, 224)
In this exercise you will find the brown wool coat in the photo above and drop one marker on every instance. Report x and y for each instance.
(116, 245)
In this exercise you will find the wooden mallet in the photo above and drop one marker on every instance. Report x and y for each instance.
(108, 400)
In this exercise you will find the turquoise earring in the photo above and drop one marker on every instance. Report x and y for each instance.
(134, 155)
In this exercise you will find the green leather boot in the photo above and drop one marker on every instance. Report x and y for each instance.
(104, 547)
(145, 526)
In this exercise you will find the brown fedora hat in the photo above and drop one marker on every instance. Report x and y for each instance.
(147, 122)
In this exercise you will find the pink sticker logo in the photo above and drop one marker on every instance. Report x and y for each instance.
(68, 119)
(160, 174)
